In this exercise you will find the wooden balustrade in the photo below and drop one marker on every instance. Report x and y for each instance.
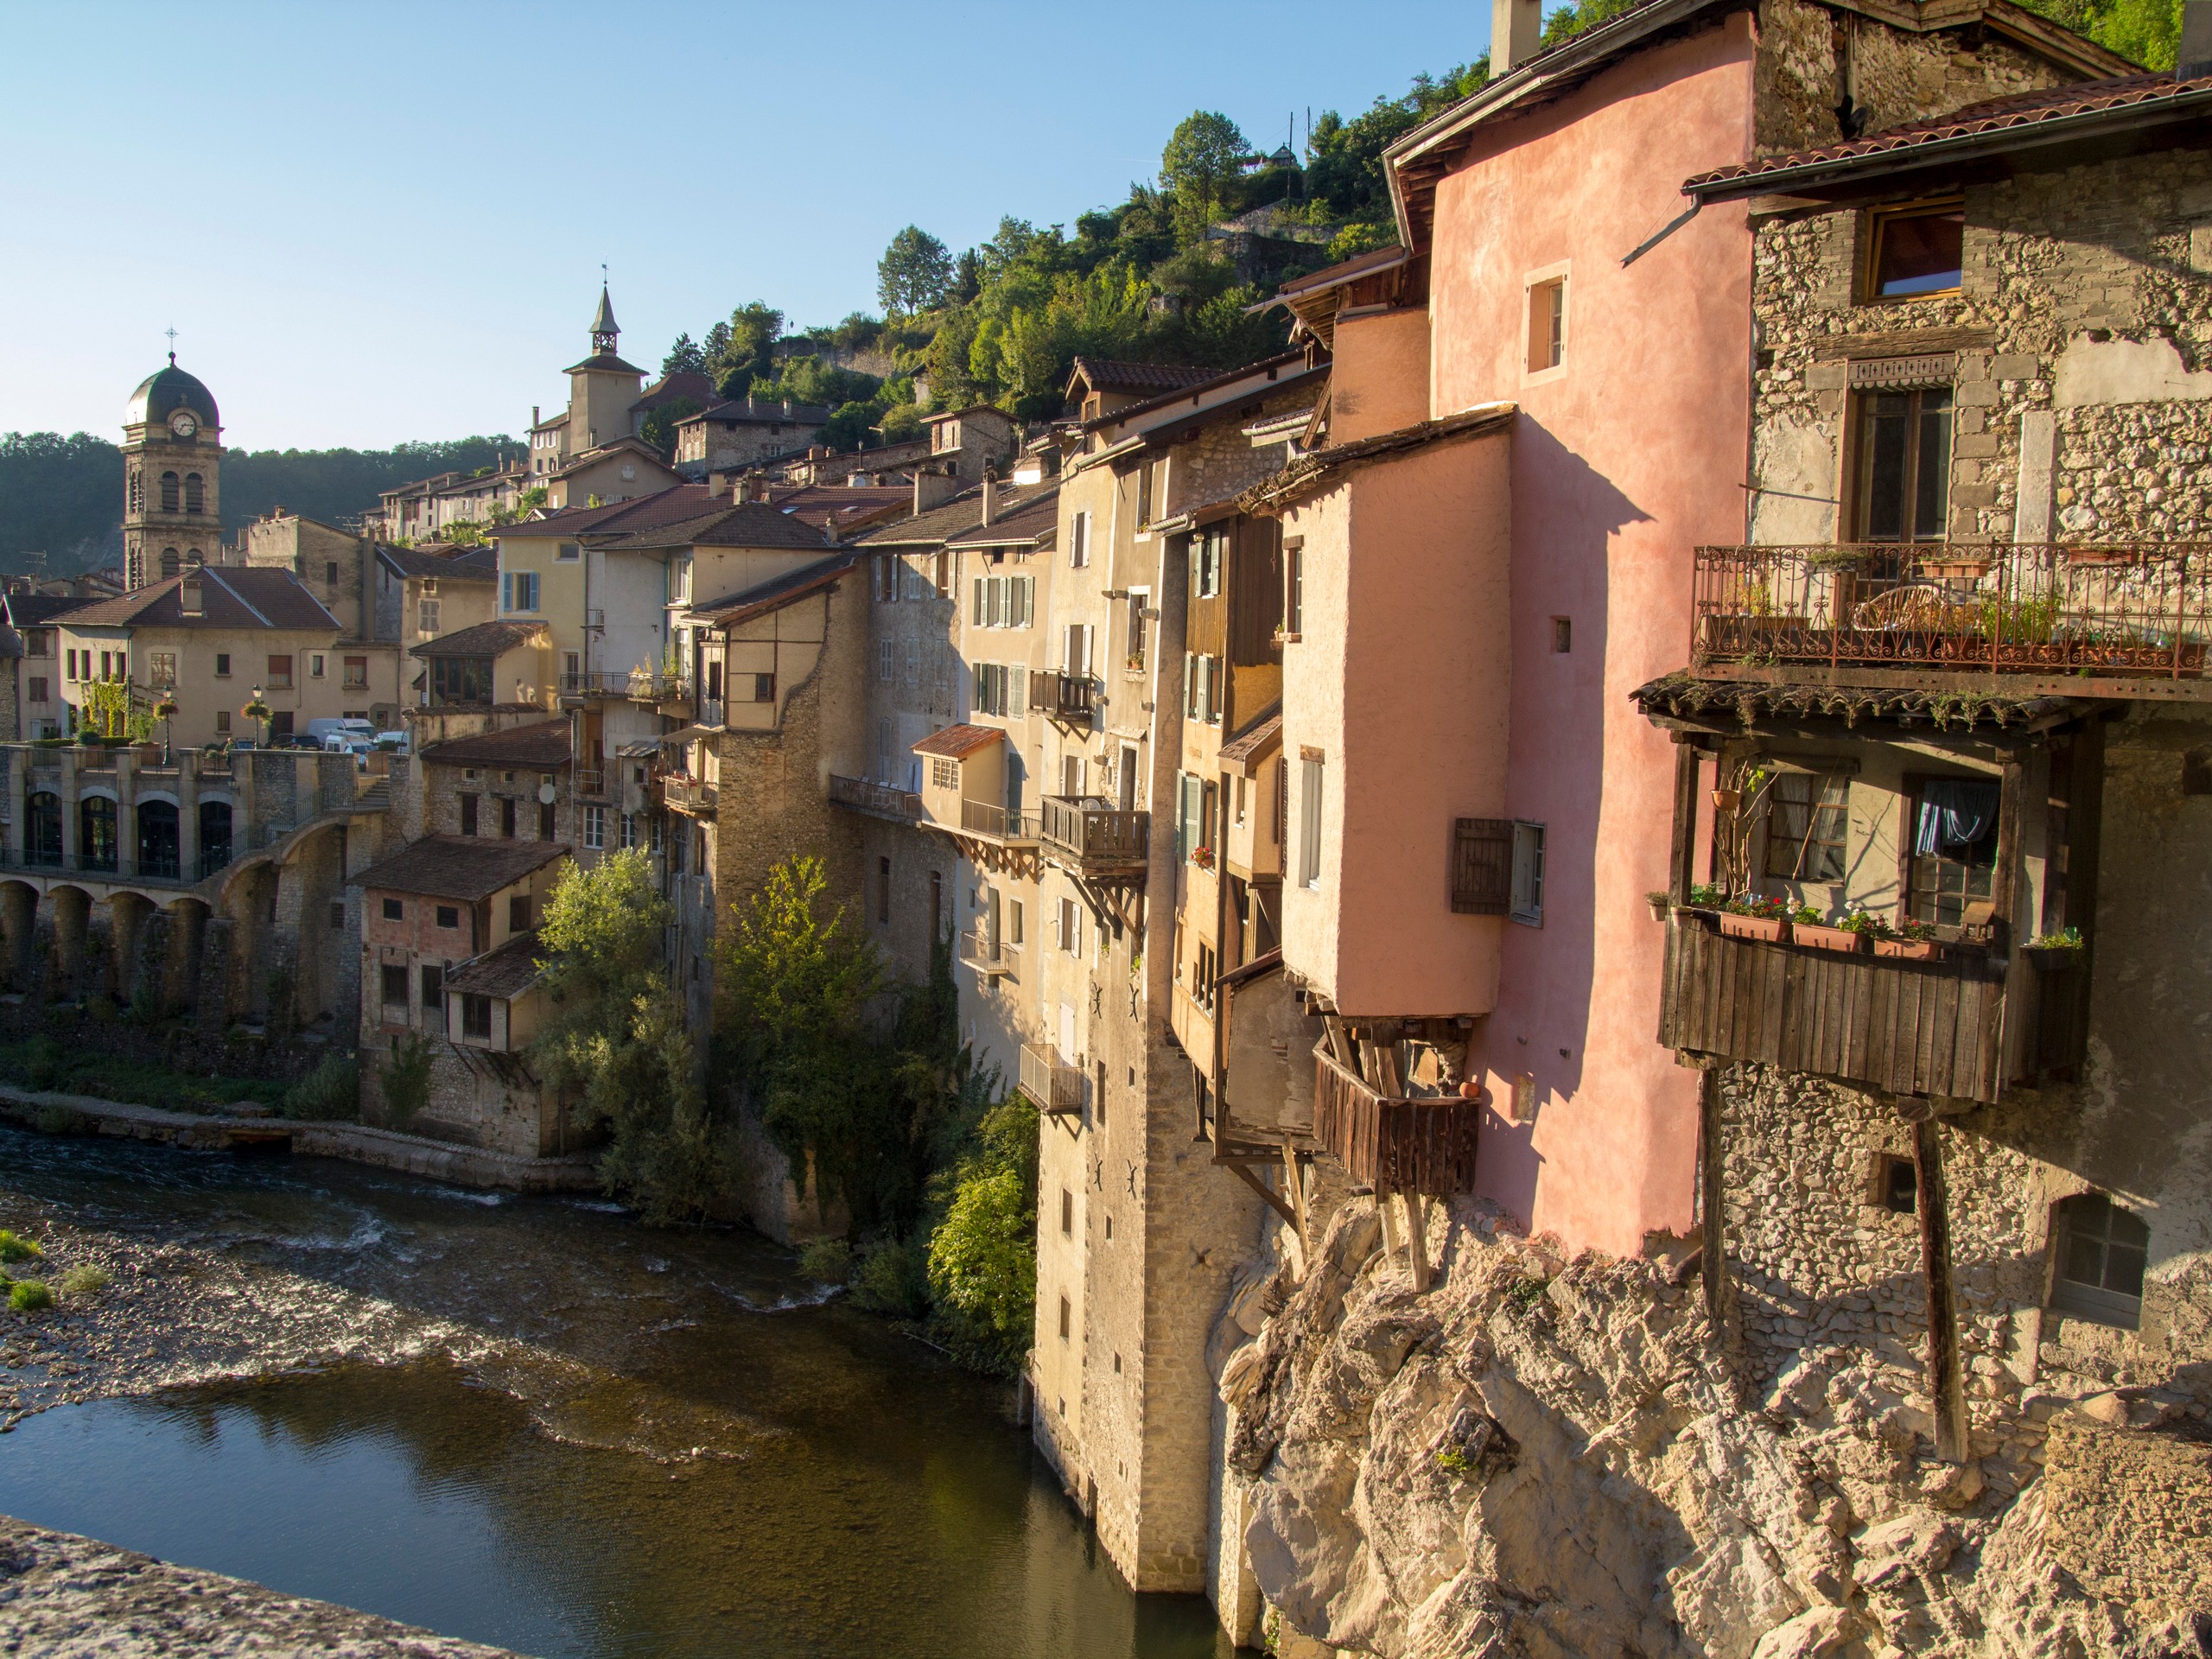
(878, 800)
(1086, 835)
(1413, 1145)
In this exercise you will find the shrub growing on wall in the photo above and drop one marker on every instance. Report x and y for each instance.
(406, 1079)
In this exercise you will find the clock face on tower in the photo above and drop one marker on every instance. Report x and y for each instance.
(184, 423)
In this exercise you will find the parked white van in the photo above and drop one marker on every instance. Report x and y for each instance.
(340, 734)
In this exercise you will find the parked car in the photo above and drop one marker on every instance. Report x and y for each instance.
(338, 734)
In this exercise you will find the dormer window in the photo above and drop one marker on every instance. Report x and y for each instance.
(1916, 251)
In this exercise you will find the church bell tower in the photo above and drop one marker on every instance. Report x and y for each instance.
(172, 467)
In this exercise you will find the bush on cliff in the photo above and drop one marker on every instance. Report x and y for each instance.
(333, 1090)
(983, 1255)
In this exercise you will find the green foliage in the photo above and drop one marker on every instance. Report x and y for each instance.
(1452, 1460)
(82, 1281)
(333, 1090)
(30, 1296)
(1344, 179)
(686, 357)
(44, 1064)
(982, 1256)
(60, 1119)
(1572, 18)
(106, 709)
(1202, 160)
(87, 1068)
(15, 1248)
(892, 1278)
(827, 1261)
(1525, 1293)
(659, 427)
(406, 1080)
(743, 349)
(914, 274)
(2148, 31)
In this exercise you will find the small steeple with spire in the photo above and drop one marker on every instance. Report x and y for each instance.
(603, 331)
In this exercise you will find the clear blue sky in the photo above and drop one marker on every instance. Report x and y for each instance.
(370, 223)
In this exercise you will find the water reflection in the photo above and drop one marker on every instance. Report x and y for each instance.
(649, 1445)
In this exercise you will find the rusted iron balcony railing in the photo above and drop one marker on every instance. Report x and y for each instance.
(646, 686)
(1052, 1084)
(999, 823)
(989, 955)
(2133, 610)
(1090, 837)
(1424, 1145)
(878, 800)
(688, 794)
(1061, 697)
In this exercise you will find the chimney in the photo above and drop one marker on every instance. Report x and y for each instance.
(930, 489)
(990, 492)
(188, 596)
(1517, 28)
(2193, 58)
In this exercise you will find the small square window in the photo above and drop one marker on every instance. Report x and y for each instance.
(1529, 874)
(1067, 1318)
(448, 916)
(222, 665)
(395, 987)
(1917, 250)
(1900, 1191)
(1562, 635)
(394, 911)
(1546, 324)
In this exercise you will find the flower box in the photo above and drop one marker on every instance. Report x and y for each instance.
(1772, 929)
(1695, 916)
(1908, 949)
(1827, 938)
(2053, 958)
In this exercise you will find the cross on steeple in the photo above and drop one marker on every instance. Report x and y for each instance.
(172, 335)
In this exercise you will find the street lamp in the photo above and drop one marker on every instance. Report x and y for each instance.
(165, 711)
(258, 711)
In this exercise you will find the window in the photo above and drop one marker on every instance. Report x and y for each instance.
(314, 665)
(195, 494)
(883, 660)
(162, 667)
(1807, 823)
(356, 673)
(37, 688)
(330, 573)
(393, 910)
(518, 914)
(426, 616)
(1482, 867)
(1079, 541)
(222, 722)
(548, 826)
(469, 815)
(1309, 828)
(1916, 251)
(568, 552)
(507, 817)
(434, 996)
(884, 580)
(764, 688)
(596, 829)
(170, 564)
(1208, 550)
(1562, 635)
(395, 990)
(1070, 926)
(519, 590)
(1904, 465)
(1294, 590)
(1067, 1316)
(1202, 688)
(38, 642)
(449, 917)
(1546, 324)
(170, 491)
(1954, 859)
(476, 1017)
(2102, 1249)
(461, 679)
(280, 673)
(1203, 975)
(69, 665)
(944, 773)
(222, 665)
(1529, 874)
(883, 890)
(629, 829)
(1898, 1185)
(1067, 1213)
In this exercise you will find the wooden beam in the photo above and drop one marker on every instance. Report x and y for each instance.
(1713, 1251)
(1417, 1238)
(1945, 1387)
(1682, 859)
(1293, 1173)
(1274, 1199)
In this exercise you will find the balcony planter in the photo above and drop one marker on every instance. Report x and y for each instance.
(1908, 949)
(1736, 925)
(2054, 953)
(1827, 938)
(1659, 903)
(1698, 916)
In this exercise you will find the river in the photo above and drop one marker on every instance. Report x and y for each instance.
(564, 1432)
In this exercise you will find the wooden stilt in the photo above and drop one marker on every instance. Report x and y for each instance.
(1293, 1176)
(1945, 1387)
(1383, 1208)
(1417, 1238)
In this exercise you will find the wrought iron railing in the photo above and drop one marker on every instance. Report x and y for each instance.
(1088, 829)
(588, 682)
(881, 799)
(989, 955)
(649, 687)
(1421, 1145)
(688, 794)
(1052, 1084)
(2125, 609)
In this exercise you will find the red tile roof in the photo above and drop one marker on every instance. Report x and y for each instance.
(540, 747)
(2025, 118)
(459, 866)
(485, 640)
(957, 742)
(230, 596)
(508, 971)
(1114, 374)
(765, 596)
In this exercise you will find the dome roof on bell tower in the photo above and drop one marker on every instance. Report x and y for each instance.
(162, 393)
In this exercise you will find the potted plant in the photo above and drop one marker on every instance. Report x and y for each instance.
(165, 711)
(1806, 927)
(2052, 953)
(1659, 899)
(1912, 941)
(1705, 901)
(1754, 916)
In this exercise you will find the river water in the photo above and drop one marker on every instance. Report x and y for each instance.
(626, 1442)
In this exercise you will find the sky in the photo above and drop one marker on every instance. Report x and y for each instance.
(374, 223)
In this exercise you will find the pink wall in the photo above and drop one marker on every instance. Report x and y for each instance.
(1378, 379)
(1623, 460)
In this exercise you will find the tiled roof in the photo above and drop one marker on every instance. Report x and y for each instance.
(743, 411)
(962, 414)
(955, 518)
(741, 523)
(1030, 519)
(230, 596)
(468, 564)
(684, 383)
(763, 596)
(1196, 389)
(1319, 470)
(604, 360)
(640, 511)
(955, 742)
(485, 640)
(468, 868)
(35, 610)
(842, 507)
(1682, 696)
(2025, 118)
(1114, 374)
(1264, 739)
(542, 745)
(507, 971)
(628, 444)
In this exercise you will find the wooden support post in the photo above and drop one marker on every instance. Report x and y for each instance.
(1682, 862)
(1417, 1238)
(1945, 1387)
(1389, 1219)
(1274, 1199)
(1293, 1175)
(1713, 1253)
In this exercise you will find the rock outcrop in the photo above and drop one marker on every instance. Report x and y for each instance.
(1558, 1460)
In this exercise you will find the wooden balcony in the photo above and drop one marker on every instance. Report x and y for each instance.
(877, 800)
(1424, 1145)
(689, 795)
(997, 824)
(1938, 1028)
(1089, 836)
(1052, 1084)
(991, 958)
(2132, 619)
(1065, 697)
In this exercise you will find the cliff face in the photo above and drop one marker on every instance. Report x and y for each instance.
(1554, 1459)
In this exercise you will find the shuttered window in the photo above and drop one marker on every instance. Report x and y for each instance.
(1482, 866)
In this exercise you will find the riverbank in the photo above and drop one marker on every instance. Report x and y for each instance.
(64, 1597)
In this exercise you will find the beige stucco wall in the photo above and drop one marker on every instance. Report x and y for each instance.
(202, 695)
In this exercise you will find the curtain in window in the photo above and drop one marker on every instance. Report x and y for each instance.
(1954, 813)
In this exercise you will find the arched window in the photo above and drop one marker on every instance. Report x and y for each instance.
(138, 490)
(169, 492)
(2100, 1250)
(158, 839)
(96, 833)
(196, 499)
(42, 829)
(214, 837)
(170, 566)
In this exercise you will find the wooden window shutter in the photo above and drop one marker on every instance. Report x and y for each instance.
(1482, 867)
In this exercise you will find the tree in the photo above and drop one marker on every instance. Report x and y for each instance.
(1202, 156)
(2149, 31)
(983, 1257)
(686, 357)
(659, 427)
(913, 273)
(743, 349)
